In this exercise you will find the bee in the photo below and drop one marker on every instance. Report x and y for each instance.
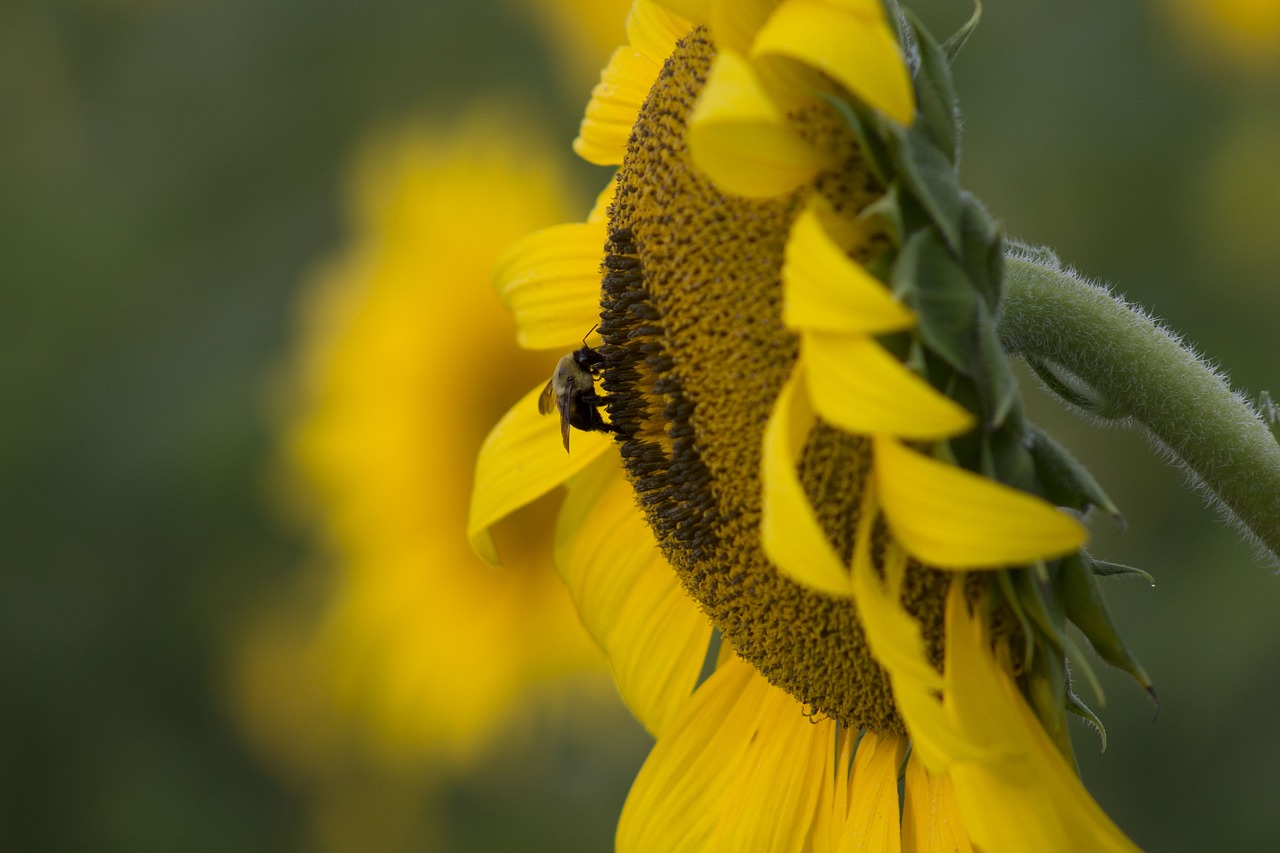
(572, 391)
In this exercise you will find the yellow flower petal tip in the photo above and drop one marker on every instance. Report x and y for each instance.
(849, 41)
(1032, 779)
(826, 290)
(739, 138)
(859, 387)
(950, 518)
(615, 103)
(522, 459)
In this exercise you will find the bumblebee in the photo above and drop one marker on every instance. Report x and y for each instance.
(572, 392)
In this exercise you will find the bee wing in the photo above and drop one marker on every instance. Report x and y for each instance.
(564, 400)
(547, 400)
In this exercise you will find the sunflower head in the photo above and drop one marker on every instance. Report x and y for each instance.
(780, 342)
(803, 375)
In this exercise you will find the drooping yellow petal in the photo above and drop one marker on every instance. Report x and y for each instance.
(826, 290)
(858, 386)
(930, 817)
(894, 636)
(873, 815)
(734, 24)
(896, 641)
(849, 40)
(789, 530)
(737, 770)
(1030, 798)
(628, 596)
(738, 137)
(950, 518)
(652, 33)
(521, 460)
(550, 280)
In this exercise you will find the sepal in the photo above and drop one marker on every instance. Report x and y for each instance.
(935, 91)
(1077, 706)
(1086, 607)
(1066, 481)
(927, 273)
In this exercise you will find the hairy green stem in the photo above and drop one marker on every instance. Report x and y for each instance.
(1113, 360)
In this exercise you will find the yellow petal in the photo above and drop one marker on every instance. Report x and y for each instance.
(614, 106)
(893, 635)
(873, 823)
(826, 290)
(654, 28)
(950, 518)
(1030, 799)
(896, 642)
(628, 596)
(652, 33)
(521, 460)
(851, 42)
(550, 280)
(930, 817)
(858, 386)
(738, 770)
(739, 138)
(789, 531)
(734, 24)
(833, 801)
(697, 11)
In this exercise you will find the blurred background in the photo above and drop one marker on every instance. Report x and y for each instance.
(234, 256)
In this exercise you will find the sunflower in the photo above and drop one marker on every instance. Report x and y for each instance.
(830, 560)
(1240, 33)
(395, 618)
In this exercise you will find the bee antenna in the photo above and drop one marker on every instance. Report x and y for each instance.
(588, 334)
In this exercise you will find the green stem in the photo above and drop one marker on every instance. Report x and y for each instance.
(1112, 359)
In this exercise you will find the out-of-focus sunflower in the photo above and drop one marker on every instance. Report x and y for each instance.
(584, 33)
(1239, 33)
(816, 418)
(404, 644)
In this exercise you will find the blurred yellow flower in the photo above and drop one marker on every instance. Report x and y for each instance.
(1241, 33)
(403, 642)
(583, 34)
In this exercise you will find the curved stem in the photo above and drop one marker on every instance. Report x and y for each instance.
(1145, 375)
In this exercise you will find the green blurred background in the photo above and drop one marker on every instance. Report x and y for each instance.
(170, 172)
